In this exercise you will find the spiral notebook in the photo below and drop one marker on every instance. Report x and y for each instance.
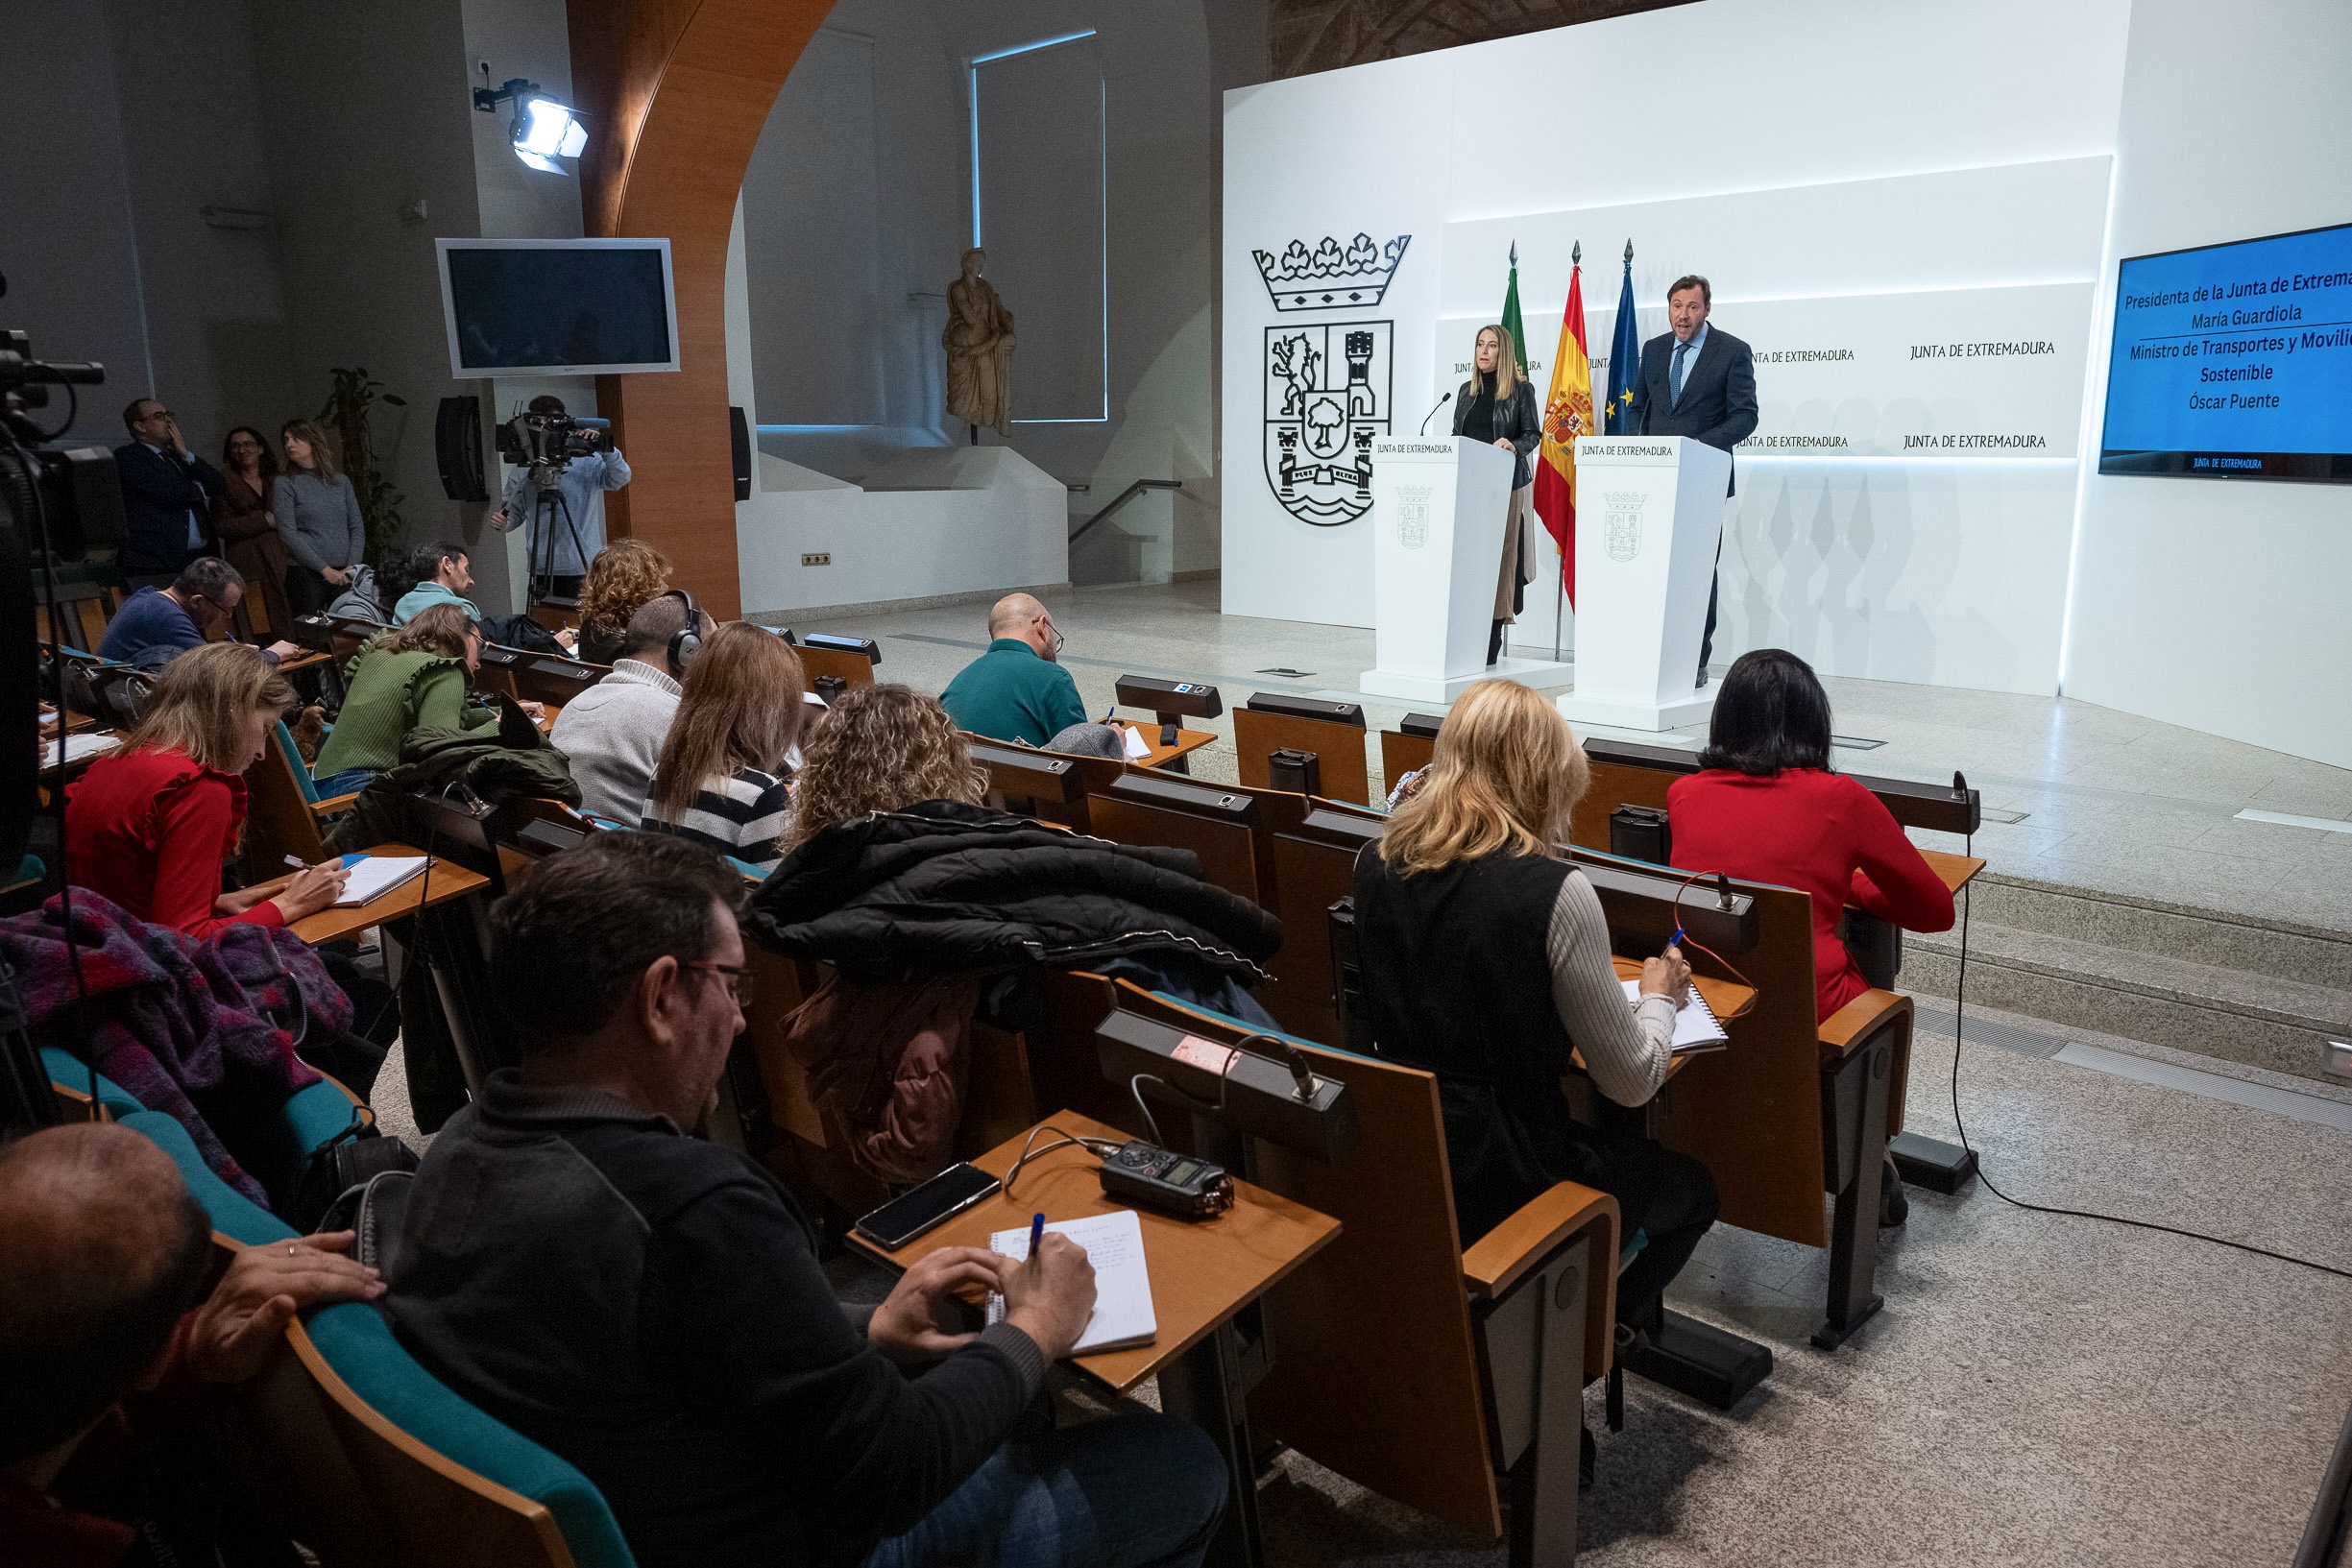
(1123, 1316)
(1696, 1027)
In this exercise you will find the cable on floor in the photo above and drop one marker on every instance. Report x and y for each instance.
(1959, 1020)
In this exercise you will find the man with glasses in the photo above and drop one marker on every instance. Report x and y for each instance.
(650, 1305)
(157, 625)
(168, 493)
(1015, 691)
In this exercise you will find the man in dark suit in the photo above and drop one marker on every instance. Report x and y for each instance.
(1700, 383)
(167, 495)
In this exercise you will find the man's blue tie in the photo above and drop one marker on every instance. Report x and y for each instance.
(1681, 350)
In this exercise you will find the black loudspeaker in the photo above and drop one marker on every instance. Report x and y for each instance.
(1170, 699)
(1300, 772)
(739, 439)
(457, 446)
(1641, 833)
(866, 646)
(1422, 724)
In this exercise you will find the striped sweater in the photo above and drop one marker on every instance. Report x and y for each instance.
(741, 816)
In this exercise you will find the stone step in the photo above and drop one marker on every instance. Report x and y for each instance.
(2286, 949)
(2258, 1016)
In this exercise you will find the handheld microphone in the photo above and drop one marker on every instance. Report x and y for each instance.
(1433, 412)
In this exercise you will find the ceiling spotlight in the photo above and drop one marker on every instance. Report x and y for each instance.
(544, 129)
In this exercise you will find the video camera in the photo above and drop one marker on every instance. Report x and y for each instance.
(73, 490)
(546, 443)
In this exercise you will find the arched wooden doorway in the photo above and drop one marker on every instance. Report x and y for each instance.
(676, 92)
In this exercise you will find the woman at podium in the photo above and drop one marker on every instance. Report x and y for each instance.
(1495, 404)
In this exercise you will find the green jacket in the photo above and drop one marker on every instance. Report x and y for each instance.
(1009, 693)
(385, 696)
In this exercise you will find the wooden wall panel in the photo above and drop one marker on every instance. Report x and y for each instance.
(675, 93)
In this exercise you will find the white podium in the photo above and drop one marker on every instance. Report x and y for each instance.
(1649, 515)
(1438, 508)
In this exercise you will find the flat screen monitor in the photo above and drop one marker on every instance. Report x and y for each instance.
(2234, 361)
(558, 306)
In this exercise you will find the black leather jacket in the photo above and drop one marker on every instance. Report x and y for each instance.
(1518, 421)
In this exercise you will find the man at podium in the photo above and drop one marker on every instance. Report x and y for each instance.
(1701, 383)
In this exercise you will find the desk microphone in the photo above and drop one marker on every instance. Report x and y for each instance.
(1433, 412)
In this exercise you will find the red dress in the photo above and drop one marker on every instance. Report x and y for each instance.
(1820, 833)
(148, 831)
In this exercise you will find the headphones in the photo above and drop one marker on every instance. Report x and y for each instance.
(684, 644)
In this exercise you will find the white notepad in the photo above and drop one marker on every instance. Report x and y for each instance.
(372, 875)
(1695, 1024)
(1123, 1316)
(1137, 745)
(79, 746)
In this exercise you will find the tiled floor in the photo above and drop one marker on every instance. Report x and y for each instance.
(2110, 802)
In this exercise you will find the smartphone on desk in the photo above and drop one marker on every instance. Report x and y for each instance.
(928, 1206)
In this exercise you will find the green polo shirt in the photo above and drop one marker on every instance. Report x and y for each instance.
(1009, 693)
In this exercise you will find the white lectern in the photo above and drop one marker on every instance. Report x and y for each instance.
(1439, 507)
(1649, 514)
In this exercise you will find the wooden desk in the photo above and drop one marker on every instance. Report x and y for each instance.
(305, 660)
(1723, 997)
(447, 881)
(1171, 758)
(1956, 870)
(1204, 1273)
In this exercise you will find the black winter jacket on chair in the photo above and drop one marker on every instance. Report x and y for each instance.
(944, 888)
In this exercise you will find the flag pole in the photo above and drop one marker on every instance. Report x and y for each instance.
(1559, 578)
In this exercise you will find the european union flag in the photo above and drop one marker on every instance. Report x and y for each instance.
(1624, 358)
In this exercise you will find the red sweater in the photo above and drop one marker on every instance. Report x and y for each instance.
(149, 831)
(1820, 833)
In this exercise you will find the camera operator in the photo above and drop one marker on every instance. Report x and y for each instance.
(562, 560)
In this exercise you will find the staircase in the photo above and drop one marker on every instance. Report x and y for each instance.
(2267, 993)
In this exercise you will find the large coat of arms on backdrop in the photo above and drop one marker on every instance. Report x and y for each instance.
(1327, 384)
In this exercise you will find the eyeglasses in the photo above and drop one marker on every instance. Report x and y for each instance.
(739, 980)
(1058, 640)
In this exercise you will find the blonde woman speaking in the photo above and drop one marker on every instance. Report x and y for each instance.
(1498, 404)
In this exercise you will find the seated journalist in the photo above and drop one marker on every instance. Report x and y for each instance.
(1016, 691)
(109, 1339)
(1764, 807)
(649, 1305)
(157, 625)
(613, 731)
(1486, 961)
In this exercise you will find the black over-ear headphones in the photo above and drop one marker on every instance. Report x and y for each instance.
(684, 644)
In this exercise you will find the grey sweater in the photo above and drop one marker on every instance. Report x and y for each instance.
(320, 522)
(612, 733)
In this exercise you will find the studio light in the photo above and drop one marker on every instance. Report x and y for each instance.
(544, 129)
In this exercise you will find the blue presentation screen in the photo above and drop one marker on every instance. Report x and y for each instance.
(2234, 361)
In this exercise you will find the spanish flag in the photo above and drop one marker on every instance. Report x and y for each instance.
(1568, 413)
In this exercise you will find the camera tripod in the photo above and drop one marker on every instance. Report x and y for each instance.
(549, 508)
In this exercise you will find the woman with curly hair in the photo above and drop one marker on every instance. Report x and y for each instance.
(625, 576)
(880, 748)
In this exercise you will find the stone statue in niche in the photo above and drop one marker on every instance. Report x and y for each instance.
(979, 345)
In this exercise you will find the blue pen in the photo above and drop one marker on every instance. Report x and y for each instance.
(1676, 940)
(1036, 1234)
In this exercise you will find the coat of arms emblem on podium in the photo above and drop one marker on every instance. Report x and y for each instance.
(1326, 384)
(1621, 523)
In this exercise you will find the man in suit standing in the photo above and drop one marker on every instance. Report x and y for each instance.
(1701, 383)
(167, 495)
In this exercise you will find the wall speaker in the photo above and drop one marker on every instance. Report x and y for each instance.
(457, 446)
(738, 435)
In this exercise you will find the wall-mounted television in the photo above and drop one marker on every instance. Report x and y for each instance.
(2234, 361)
(558, 306)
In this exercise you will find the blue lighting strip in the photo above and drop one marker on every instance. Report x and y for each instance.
(1103, 192)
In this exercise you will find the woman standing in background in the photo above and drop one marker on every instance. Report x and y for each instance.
(247, 529)
(318, 520)
(1496, 405)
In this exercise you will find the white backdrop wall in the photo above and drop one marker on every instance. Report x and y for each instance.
(1851, 150)
(2221, 605)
